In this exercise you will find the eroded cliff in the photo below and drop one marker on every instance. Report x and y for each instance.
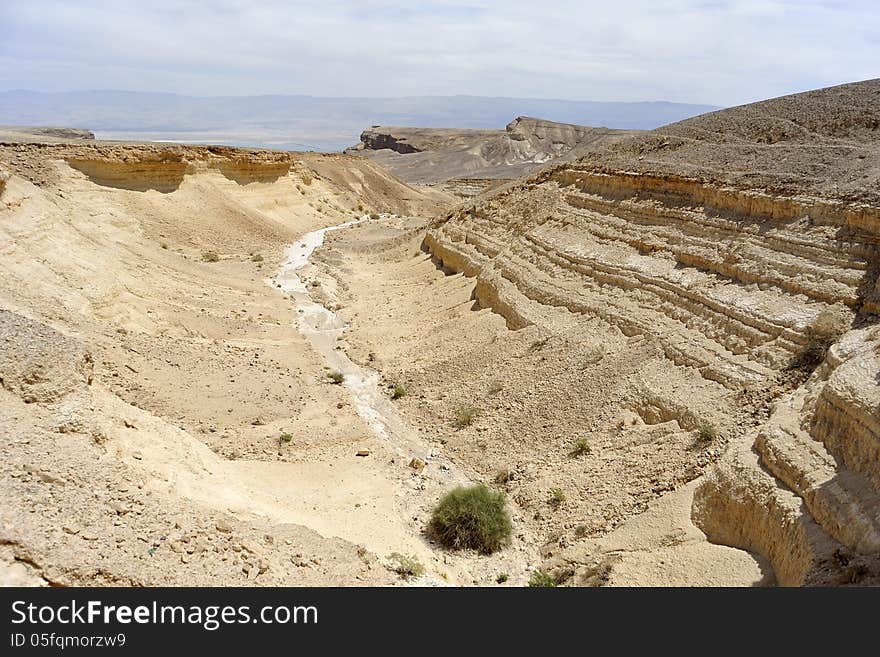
(763, 283)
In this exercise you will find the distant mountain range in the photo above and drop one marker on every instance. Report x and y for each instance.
(307, 122)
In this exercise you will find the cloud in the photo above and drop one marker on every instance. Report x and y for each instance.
(715, 51)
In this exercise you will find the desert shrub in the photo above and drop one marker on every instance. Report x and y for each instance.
(210, 256)
(495, 386)
(256, 258)
(502, 477)
(707, 432)
(540, 579)
(472, 518)
(406, 565)
(374, 216)
(306, 178)
(825, 330)
(398, 392)
(581, 530)
(465, 415)
(503, 577)
(336, 377)
(557, 497)
(285, 437)
(581, 447)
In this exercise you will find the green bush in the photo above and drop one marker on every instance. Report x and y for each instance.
(406, 565)
(256, 258)
(398, 392)
(374, 216)
(210, 256)
(472, 518)
(336, 377)
(503, 577)
(581, 447)
(465, 415)
(557, 497)
(285, 437)
(707, 432)
(540, 579)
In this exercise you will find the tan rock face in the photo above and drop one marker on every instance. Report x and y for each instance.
(731, 280)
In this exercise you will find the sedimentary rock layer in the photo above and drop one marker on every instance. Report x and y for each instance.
(743, 284)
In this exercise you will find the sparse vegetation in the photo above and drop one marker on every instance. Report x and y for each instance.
(398, 391)
(825, 330)
(557, 497)
(540, 579)
(503, 577)
(406, 565)
(256, 258)
(285, 437)
(465, 415)
(306, 178)
(210, 256)
(502, 477)
(163, 245)
(336, 377)
(707, 432)
(374, 215)
(581, 530)
(581, 447)
(495, 386)
(472, 518)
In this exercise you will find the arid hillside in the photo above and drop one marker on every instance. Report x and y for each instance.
(164, 421)
(703, 296)
(225, 366)
(433, 155)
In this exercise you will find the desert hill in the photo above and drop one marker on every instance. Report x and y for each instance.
(23, 133)
(430, 155)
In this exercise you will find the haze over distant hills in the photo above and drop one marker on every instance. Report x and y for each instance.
(307, 122)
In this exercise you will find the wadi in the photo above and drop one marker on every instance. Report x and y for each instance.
(653, 354)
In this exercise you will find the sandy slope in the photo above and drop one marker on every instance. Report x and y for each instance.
(168, 437)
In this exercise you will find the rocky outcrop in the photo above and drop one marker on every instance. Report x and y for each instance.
(440, 154)
(162, 172)
(377, 139)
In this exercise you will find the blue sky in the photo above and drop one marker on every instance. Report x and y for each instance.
(721, 52)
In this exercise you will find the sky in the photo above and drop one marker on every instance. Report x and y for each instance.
(719, 52)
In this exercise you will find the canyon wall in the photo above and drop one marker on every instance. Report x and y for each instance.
(769, 290)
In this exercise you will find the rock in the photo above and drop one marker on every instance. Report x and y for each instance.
(223, 526)
(363, 452)
(417, 464)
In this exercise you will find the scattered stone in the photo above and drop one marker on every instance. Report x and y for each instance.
(417, 464)
(363, 452)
